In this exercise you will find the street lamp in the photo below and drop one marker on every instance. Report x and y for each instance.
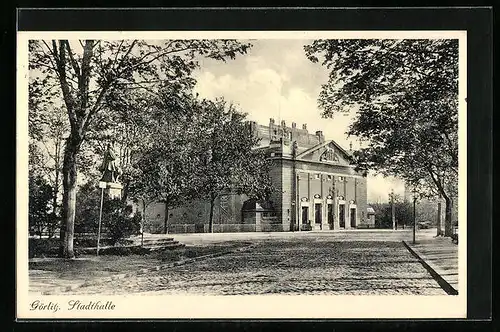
(102, 185)
(414, 214)
(393, 211)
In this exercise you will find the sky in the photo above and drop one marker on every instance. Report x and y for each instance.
(276, 80)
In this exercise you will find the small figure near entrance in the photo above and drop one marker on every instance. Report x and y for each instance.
(110, 169)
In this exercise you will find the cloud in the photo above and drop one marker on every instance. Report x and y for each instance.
(277, 81)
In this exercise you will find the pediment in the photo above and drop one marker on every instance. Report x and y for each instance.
(328, 152)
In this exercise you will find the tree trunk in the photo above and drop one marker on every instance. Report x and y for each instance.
(69, 197)
(54, 203)
(56, 182)
(448, 227)
(439, 223)
(211, 221)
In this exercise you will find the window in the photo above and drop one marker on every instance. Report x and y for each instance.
(290, 135)
(341, 178)
(329, 177)
(316, 176)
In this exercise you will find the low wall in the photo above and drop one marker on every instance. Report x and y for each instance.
(230, 228)
(272, 228)
(220, 228)
(204, 228)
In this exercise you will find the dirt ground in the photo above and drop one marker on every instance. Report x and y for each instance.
(284, 264)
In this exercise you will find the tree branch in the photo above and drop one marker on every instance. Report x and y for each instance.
(74, 63)
(437, 182)
(68, 98)
(126, 54)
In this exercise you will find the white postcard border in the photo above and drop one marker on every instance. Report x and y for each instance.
(145, 306)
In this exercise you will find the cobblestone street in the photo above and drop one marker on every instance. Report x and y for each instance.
(308, 266)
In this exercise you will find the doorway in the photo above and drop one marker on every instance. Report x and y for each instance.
(305, 214)
(329, 212)
(353, 217)
(342, 215)
(317, 213)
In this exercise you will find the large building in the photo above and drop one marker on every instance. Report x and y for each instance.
(317, 189)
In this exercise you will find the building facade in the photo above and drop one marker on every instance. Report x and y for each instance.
(316, 189)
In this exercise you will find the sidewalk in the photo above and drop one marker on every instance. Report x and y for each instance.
(337, 235)
(440, 257)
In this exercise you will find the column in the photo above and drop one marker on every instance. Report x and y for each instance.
(336, 224)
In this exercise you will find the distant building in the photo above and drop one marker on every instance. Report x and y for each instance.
(317, 189)
(370, 212)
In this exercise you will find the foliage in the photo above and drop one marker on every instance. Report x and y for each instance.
(87, 209)
(406, 96)
(82, 74)
(117, 222)
(162, 168)
(403, 212)
(120, 222)
(228, 160)
(40, 195)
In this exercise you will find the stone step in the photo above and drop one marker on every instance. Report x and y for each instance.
(170, 239)
(156, 243)
(159, 244)
(172, 246)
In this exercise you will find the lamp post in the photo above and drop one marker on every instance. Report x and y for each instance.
(414, 215)
(393, 211)
(102, 185)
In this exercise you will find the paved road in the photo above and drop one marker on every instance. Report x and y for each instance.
(309, 265)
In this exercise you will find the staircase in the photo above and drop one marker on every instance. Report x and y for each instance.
(167, 243)
(153, 243)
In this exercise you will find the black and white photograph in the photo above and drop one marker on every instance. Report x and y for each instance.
(232, 169)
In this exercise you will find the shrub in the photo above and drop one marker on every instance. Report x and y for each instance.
(39, 216)
(121, 222)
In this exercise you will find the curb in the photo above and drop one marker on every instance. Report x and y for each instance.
(146, 270)
(449, 289)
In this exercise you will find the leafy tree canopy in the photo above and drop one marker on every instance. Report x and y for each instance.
(406, 96)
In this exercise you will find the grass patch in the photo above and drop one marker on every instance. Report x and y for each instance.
(42, 248)
(91, 266)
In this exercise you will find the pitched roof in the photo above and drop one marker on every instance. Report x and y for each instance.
(319, 146)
